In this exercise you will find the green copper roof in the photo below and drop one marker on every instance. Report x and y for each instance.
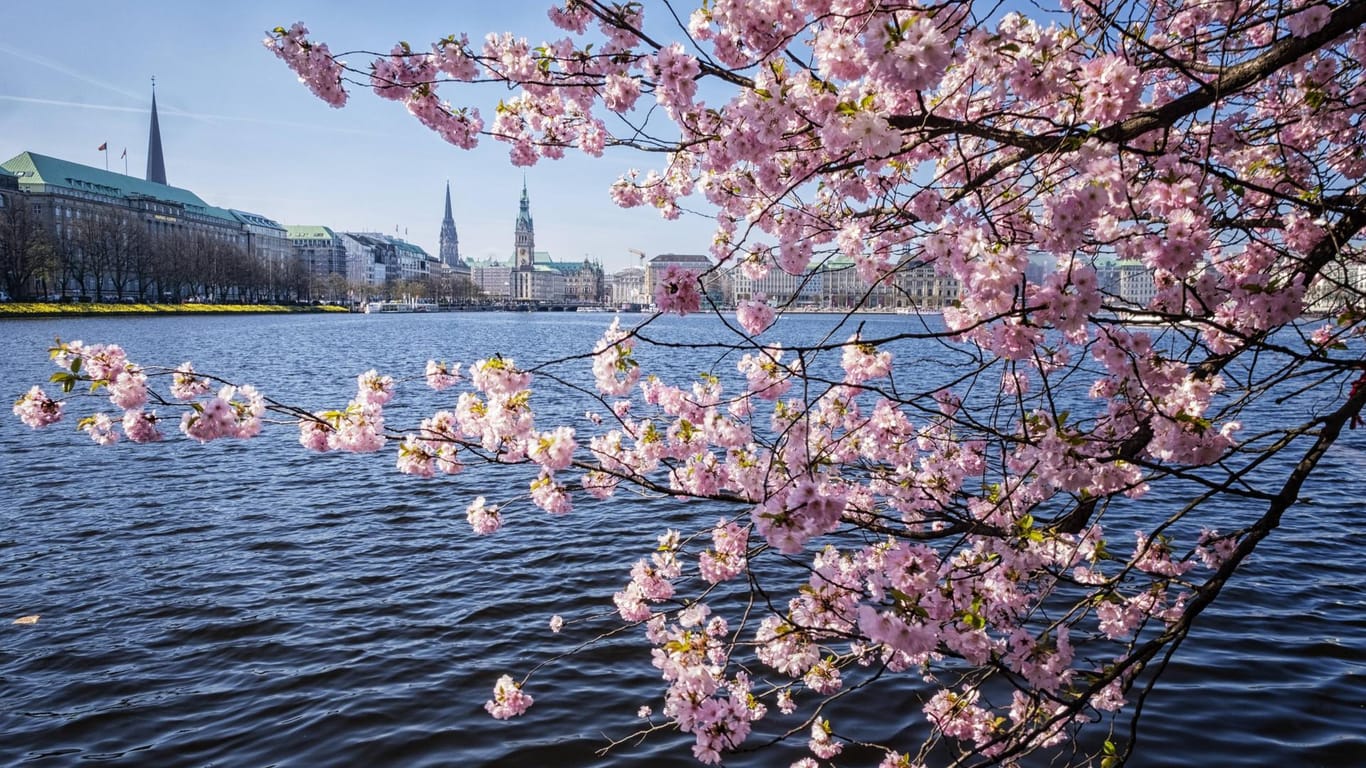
(247, 217)
(404, 245)
(307, 232)
(36, 170)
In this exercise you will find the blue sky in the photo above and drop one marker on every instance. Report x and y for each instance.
(241, 132)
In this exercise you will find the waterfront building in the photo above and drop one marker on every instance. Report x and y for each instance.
(318, 249)
(412, 261)
(915, 285)
(835, 283)
(712, 282)
(357, 262)
(627, 288)
(402, 260)
(546, 280)
(492, 278)
(268, 243)
(533, 276)
(543, 282)
(111, 233)
(1125, 282)
(1338, 286)
(1135, 283)
(63, 193)
(778, 286)
(118, 234)
(363, 266)
(842, 288)
(584, 281)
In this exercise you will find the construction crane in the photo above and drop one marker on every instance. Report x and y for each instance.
(647, 288)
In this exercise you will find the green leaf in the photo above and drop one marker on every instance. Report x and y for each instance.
(67, 380)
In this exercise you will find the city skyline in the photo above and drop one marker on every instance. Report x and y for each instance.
(241, 132)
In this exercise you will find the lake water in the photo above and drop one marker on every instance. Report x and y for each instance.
(248, 604)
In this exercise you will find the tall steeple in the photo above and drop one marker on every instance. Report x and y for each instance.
(156, 166)
(525, 237)
(450, 242)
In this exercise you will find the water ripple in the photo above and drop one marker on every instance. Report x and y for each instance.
(235, 605)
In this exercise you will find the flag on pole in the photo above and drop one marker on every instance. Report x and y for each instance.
(104, 146)
(124, 156)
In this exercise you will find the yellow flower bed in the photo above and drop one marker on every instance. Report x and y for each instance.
(20, 308)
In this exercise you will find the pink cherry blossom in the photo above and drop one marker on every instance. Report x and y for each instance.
(508, 699)
(483, 518)
(36, 409)
(442, 375)
(755, 315)
(373, 389)
(677, 291)
(1124, 221)
(140, 426)
(498, 376)
(100, 428)
(1308, 20)
(312, 61)
(185, 385)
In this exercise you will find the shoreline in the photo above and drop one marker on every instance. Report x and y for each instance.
(13, 310)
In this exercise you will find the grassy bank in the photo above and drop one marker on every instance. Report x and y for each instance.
(47, 309)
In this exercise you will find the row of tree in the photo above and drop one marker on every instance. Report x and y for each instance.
(111, 255)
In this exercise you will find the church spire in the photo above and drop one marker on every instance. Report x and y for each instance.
(450, 241)
(156, 166)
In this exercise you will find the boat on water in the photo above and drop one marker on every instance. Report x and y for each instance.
(380, 307)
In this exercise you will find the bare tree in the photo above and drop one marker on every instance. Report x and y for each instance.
(26, 253)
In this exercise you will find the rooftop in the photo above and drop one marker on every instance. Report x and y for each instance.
(35, 170)
(681, 258)
(246, 217)
(307, 232)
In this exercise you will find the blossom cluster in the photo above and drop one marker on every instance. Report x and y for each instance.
(312, 61)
